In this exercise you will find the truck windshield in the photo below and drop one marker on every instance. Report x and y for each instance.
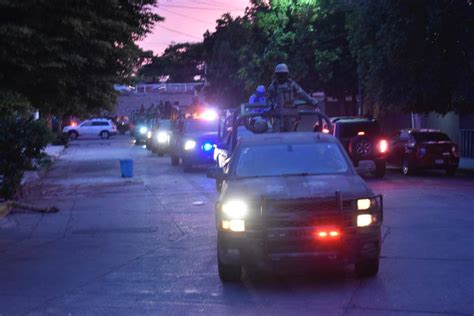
(291, 159)
(165, 124)
(201, 126)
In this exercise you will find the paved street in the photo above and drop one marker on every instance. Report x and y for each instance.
(147, 246)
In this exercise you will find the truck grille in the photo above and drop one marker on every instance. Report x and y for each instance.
(304, 213)
(289, 225)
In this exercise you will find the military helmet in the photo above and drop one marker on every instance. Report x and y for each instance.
(282, 68)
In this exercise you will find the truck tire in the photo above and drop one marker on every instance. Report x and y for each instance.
(174, 160)
(227, 272)
(367, 268)
(187, 166)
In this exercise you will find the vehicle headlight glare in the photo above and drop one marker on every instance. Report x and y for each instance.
(235, 209)
(143, 130)
(364, 220)
(363, 204)
(235, 225)
(148, 134)
(162, 137)
(189, 145)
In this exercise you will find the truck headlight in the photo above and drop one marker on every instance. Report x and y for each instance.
(189, 144)
(235, 225)
(162, 137)
(363, 204)
(235, 209)
(143, 130)
(148, 134)
(364, 220)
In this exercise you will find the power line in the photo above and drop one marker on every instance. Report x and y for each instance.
(179, 32)
(191, 7)
(188, 16)
(215, 4)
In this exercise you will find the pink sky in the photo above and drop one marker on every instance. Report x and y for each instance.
(188, 20)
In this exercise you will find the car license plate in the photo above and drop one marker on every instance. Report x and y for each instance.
(439, 161)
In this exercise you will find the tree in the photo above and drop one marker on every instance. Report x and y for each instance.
(414, 55)
(179, 63)
(61, 57)
(221, 54)
(65, 56)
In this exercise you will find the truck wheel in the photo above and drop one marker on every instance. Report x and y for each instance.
(174, 160)
(407, 169)
(160, 153)
(367, 268)
(227, 272)
(380, 168)
(187, 166)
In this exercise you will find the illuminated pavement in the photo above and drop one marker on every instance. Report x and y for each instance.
(147, 246)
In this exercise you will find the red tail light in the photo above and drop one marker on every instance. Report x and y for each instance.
(325, 131)
(383, 146)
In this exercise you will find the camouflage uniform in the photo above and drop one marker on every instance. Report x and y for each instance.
(283, 95)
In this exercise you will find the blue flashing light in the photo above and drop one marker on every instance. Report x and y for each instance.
(207, 146)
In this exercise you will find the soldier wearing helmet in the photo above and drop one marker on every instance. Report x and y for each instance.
(258, 96)
(283, 91)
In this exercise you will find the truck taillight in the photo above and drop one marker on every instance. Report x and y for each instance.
(383, 146)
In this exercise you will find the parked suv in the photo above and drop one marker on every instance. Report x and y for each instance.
(94, 127)
(362, 140)
(414, 149)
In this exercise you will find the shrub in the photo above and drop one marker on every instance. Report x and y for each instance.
(21, 140)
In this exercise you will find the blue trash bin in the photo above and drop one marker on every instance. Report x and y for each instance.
(126, 168)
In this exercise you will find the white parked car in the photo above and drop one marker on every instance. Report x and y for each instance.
(93, 127)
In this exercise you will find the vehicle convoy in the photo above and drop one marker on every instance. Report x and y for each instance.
(160, 140)
(293, 199)
(93, 127)
(415, 149)
(363, 140)
(192, 141)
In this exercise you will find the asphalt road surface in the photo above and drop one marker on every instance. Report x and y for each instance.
(147, 246)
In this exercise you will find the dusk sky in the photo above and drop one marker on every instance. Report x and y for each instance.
(188, 20)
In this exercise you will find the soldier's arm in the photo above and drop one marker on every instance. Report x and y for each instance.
(302, 94)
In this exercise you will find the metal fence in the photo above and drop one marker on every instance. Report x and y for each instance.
(167, 87)
(466, 143)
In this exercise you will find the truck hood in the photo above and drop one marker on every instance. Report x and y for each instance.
(210, 136)
(292, 187)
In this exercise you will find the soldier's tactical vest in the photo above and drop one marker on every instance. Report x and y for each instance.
(285, 94)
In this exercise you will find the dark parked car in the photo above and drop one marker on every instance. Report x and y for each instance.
(192, 142)
(414, 149)
(363, 140)
(294, 199)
